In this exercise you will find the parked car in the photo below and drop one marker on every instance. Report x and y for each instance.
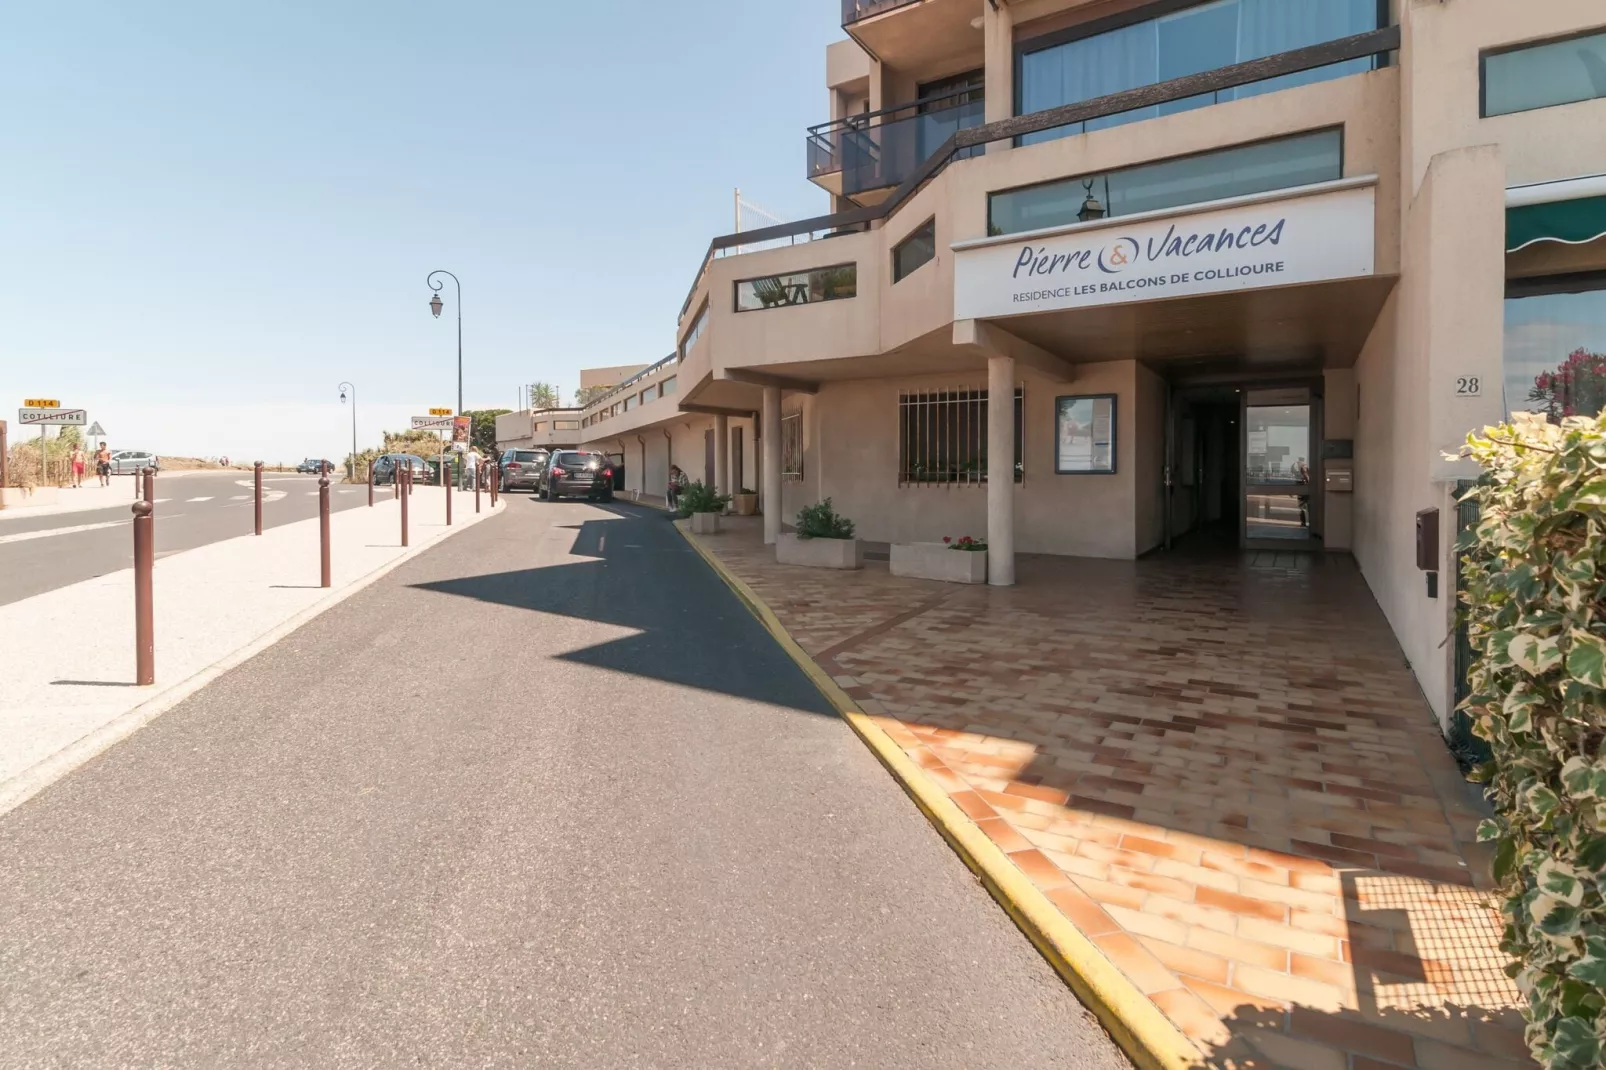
(314, 467)
(127, 462)
(572, 474)
(387, 464)
(521, 469)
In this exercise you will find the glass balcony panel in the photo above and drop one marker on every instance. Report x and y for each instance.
(884, 155)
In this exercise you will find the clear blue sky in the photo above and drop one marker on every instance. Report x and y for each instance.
(217, 211)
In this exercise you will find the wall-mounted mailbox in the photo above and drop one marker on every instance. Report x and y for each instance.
(1339, 480)
(1427, 540)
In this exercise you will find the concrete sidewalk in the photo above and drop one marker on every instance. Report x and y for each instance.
(67, 689)
(94, 496)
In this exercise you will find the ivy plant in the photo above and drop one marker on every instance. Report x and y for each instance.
(1532, 602)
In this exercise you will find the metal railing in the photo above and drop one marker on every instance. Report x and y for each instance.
(878, 149)
(645, 373)
(1373, 43)
(858, 10)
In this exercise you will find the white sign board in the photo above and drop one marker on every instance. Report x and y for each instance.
(432, 423)
(1270, 243)
(52, 417)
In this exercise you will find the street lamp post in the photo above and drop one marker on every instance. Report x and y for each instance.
(435, 307)
(351, 471)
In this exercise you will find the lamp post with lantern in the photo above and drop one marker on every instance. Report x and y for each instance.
(435, 307)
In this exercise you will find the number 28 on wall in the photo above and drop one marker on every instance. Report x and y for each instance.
(1468, 386)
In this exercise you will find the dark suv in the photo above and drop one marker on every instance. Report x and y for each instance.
(572, 474)
(521, 469)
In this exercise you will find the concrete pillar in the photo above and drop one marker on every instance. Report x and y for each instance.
(1001, 471)
(998, 52)
(772, 464)
(722, 454)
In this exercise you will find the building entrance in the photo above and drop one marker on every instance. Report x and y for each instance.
(1242, 467)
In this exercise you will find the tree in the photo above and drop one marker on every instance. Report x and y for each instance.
(482, 430)
(1576, 388)
(587, 394)
(544, 396)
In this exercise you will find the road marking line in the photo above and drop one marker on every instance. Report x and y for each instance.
(242, 497)
(207, 498)
(24, 536)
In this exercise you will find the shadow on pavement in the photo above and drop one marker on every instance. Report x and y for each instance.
(637, 572)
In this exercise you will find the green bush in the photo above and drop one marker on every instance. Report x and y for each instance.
(701, 498)
(820, 521)
(1533, 606)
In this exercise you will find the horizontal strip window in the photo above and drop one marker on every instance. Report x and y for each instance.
(565, 425)
(915, 250)
(649, 394)
(667, 387)
(631, 402)
(1236, 172)
(942, 438)
(697, 327)
(1198, 38)
(799, 288)
(1543, 75)
(792, 446)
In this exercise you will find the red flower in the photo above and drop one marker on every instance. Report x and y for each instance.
(947, 538)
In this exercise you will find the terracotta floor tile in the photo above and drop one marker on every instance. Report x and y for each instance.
(1134, 960)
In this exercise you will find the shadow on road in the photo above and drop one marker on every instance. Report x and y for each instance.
(635, 571)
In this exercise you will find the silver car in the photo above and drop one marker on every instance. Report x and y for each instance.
(521, 469)
(127, 462)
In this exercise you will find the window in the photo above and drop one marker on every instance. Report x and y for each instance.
(942, 438)
(919, 247)
(792, 446)
(631, 402)
(1235, 172)
(1544, 75)
(695, 331)
(539, 425)
(565, 425)
(1073, 66)
(649, 394)
(667, 387)
(801, 288)
(526, 456)
(1555, 346)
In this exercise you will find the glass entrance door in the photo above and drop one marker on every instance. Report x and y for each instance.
(1277, 467)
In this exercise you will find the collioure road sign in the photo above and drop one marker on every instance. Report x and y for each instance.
(432, 423)
(35, 416)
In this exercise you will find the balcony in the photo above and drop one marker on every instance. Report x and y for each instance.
(857, 10)
(864, 156)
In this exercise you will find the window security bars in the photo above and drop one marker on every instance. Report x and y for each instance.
(942, 438)
(792, 446)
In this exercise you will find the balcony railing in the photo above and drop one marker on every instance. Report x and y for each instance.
(857, 10)
(880, 149)
(646, 373)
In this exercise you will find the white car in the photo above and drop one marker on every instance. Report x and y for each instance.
(127, 462)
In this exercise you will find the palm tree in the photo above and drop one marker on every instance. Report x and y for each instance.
(544, 396)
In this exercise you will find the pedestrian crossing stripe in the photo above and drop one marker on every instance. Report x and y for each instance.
(205, 498)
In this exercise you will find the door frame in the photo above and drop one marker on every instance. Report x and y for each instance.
(1313, 430)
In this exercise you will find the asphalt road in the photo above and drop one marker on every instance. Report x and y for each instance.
(546, 795)
(42, 553)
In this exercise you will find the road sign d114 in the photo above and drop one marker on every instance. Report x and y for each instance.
(440, 412)
(40, 403)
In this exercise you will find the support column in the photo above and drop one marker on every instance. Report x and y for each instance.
(1001, 471)
(998, 51)
(772, 464)
(722, 454)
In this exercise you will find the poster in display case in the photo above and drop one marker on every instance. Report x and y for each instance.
(1084, 434)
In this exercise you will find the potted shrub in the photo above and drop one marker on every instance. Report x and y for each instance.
(703, 504)
(823, 539)
(746, 502)
(961, 560)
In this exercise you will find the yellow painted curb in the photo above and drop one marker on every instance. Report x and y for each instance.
(1146, 1035)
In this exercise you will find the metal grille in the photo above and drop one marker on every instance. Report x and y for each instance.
(792, 446)
(942, 437)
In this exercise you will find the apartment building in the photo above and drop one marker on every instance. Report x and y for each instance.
(1117, 277)
(544, 428)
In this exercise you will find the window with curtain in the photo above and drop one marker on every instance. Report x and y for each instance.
(1197, 39)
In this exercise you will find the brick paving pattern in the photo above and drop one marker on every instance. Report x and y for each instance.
(1221, 770)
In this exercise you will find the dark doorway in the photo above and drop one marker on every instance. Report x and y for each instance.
(738, 464)
(708, 457)
(1205, 500)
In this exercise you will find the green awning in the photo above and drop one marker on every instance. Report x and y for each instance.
(1572, 222)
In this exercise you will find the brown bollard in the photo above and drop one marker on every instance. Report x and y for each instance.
(496, 484)
(446, 482)
(405, 493)
(479, 477)
(323, 531)
(144, 612)
(258, 469)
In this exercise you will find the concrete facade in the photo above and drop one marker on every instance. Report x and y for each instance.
(1378, 350)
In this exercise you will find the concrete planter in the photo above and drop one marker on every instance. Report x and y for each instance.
(17, 497)
(935, 561)
(819, 553)
(705, 523)
(745, 504)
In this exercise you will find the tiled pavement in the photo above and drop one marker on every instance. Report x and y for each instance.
(1221, 770)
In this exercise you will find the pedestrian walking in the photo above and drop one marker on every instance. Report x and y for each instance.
(103, 465)
(78, 459)
(677, 479)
